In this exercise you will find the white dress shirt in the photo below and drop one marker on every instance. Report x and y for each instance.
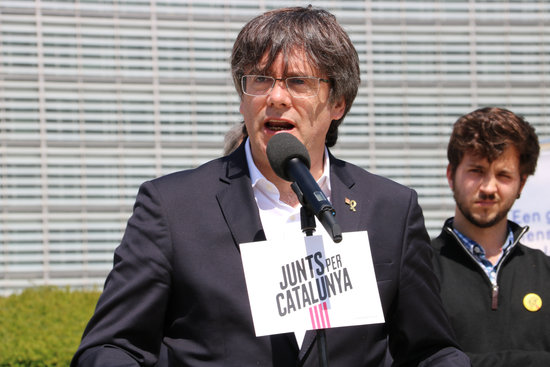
(274, 213)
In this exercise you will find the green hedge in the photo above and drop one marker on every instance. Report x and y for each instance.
(42, 327)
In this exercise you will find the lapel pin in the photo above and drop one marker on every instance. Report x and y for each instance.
(352, 204)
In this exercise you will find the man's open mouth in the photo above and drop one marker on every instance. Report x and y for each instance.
(278, 125)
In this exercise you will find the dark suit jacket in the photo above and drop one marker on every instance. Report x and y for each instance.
(178, 281)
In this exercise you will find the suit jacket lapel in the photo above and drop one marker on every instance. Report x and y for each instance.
(344, 198)
(236, 200)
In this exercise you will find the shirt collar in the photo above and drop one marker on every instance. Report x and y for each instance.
(256, 176)
(476, 249)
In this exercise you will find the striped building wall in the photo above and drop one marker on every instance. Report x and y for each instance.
(97, 96)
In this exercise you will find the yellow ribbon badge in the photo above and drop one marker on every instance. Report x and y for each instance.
(352, 204)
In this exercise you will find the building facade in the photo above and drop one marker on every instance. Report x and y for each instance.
(97, 96)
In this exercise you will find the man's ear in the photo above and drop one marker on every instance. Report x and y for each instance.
(450, 177)
(337, 110)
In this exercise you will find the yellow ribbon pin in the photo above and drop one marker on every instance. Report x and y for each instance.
(352, 204)
(532, 302)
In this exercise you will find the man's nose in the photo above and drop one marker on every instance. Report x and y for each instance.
(489, 184)
(279, 94)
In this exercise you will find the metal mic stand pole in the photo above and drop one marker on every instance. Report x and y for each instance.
(308, 227)
(307, 219)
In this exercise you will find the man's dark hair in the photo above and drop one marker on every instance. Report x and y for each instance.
(487, 132)
(312, 30)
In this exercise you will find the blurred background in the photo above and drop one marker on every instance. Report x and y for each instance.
(97, 96)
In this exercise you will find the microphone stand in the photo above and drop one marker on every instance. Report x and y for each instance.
(307, 220)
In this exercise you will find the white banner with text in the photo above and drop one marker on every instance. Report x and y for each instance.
(307, 283)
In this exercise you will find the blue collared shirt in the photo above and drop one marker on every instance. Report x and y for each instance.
(479, 253)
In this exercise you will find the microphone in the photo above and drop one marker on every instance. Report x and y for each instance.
(290, 160)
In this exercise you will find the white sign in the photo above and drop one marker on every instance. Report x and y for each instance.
(533, 207)
(307, 283)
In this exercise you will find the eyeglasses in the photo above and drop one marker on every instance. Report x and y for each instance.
(297, 86)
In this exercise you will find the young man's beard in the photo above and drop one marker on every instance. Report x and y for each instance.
(482, 223)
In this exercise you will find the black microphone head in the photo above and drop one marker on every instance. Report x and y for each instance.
(281, 148)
